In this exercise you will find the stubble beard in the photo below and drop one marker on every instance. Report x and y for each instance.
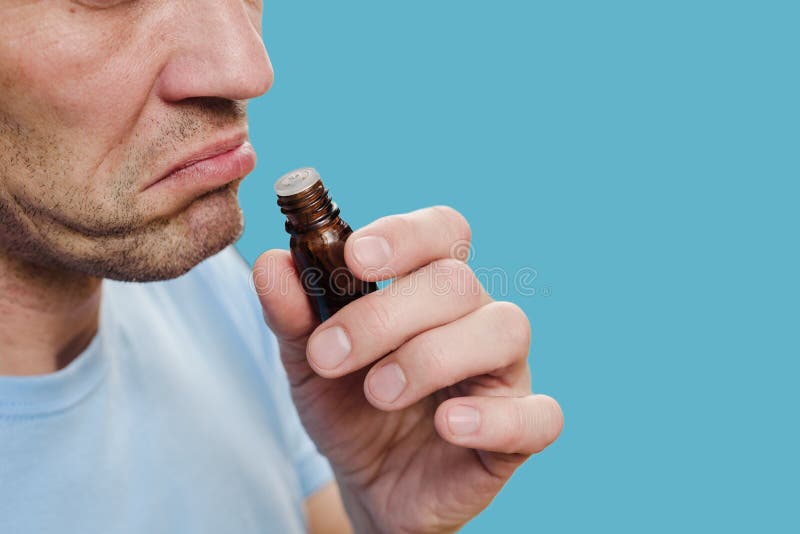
(50, 226)
(159, 250)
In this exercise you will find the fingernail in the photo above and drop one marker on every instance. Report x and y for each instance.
(372, 251)
(387, 383)
(463, 420)
(329, 348)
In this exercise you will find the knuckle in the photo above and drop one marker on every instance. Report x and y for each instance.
(376, 318)
(455, 278)
(511, 323)
(453, 269)
(454, 221)
(432, 357)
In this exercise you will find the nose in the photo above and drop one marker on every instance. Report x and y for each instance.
(215, 50)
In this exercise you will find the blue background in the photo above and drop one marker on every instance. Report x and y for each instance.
(643, 158)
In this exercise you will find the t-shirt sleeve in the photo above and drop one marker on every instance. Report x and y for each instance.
(312, 468)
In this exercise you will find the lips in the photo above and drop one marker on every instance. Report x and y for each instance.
(209, 168)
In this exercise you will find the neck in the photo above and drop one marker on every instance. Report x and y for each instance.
(49, 316)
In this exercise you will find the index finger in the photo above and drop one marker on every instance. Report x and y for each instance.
(399, 244)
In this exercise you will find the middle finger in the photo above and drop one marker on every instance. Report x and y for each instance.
(377, 323)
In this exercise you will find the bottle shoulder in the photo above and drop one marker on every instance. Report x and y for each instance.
(335, 231)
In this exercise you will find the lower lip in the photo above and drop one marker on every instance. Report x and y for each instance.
(212, 173)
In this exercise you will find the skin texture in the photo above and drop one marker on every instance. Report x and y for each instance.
(98, 99)
(400, 463)
(101, 98)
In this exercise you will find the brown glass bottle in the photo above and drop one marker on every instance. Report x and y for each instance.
(317, 240)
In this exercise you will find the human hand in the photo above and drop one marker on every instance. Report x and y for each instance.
(446, 414)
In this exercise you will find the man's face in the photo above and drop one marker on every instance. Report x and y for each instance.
(100, 100)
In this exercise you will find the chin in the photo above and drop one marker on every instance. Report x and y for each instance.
(208, 225)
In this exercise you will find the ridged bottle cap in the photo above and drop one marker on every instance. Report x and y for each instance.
(296, 181)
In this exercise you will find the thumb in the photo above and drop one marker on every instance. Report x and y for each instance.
(286, 308)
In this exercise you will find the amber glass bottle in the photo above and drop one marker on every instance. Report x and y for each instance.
(317, 242)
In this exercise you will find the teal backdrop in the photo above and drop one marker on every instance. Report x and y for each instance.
(642, 158)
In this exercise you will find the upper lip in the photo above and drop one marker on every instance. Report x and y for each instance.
(208, 151)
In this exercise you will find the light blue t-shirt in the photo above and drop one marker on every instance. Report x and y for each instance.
(175, 419)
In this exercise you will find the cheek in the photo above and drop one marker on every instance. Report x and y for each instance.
(72, 98)
(75, 77)
(75, 92)
(81, 90)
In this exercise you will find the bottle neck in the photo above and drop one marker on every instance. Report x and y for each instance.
(309, 209)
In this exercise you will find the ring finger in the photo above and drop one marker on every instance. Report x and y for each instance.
(489, 345)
